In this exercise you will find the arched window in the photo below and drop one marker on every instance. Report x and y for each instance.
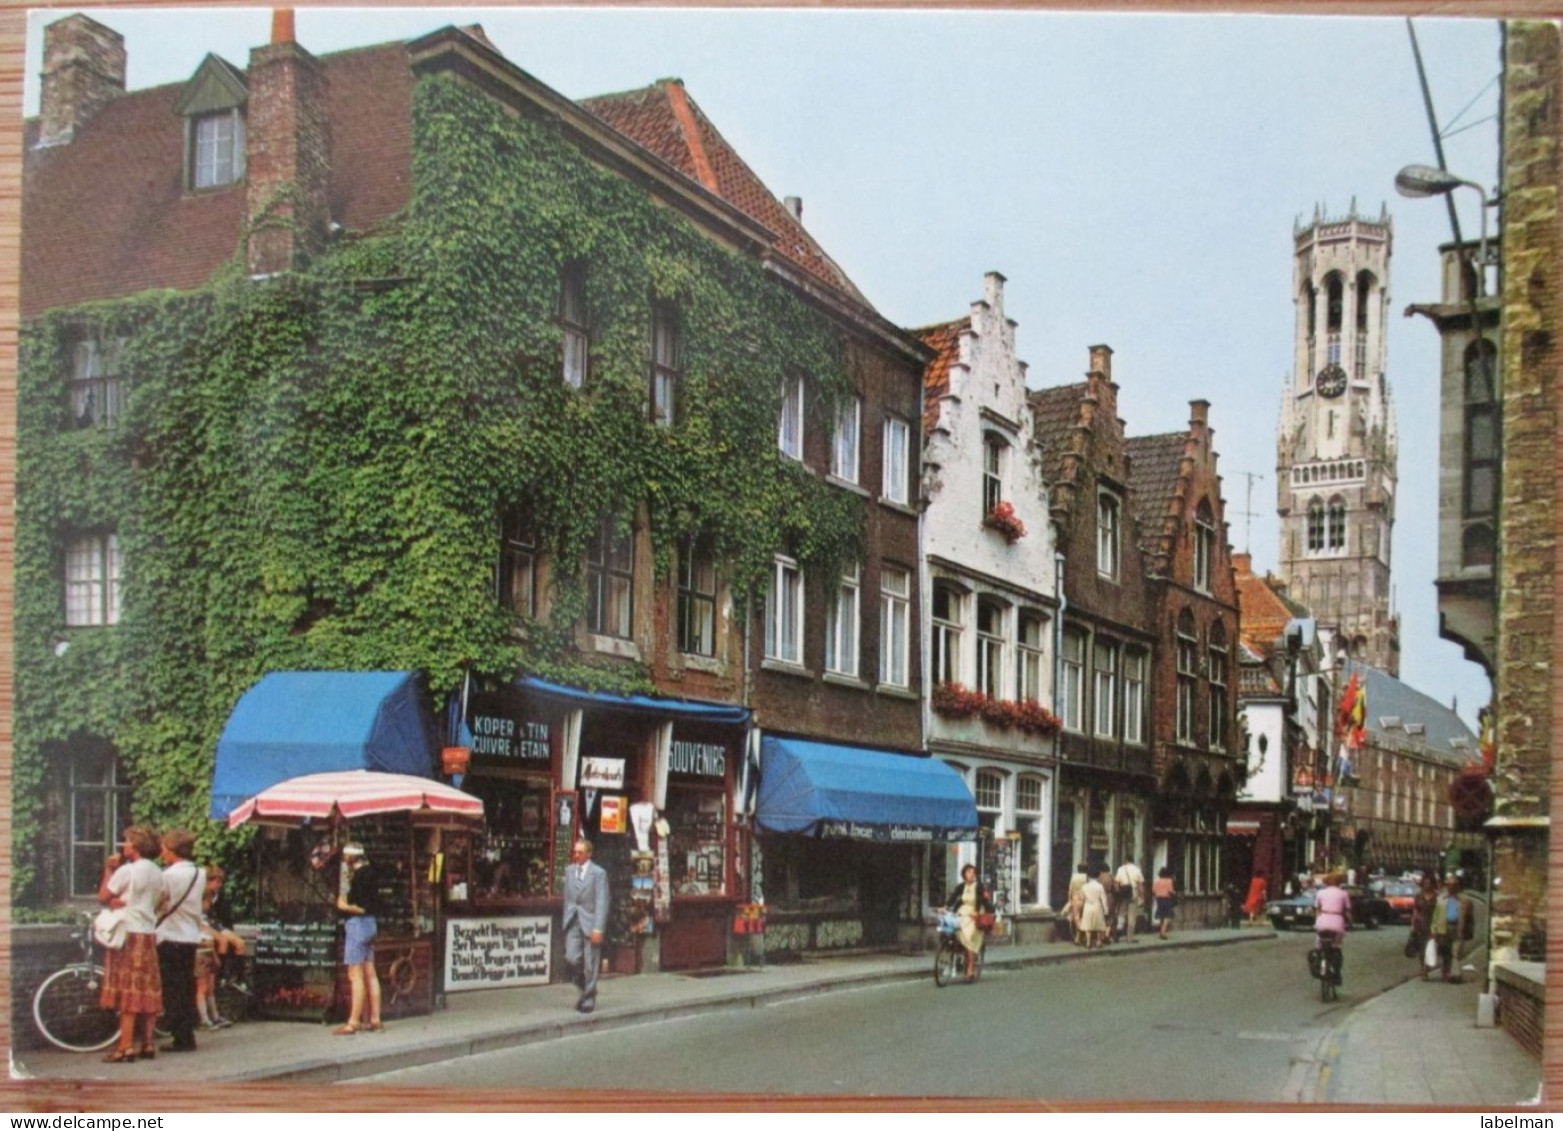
(1107, 535)
(1204, 545)
(1218, 686)
(1337, 526)
(1188, 665)
(1315, 525)
(1335, 291)
(995, 453)
(1359, 351)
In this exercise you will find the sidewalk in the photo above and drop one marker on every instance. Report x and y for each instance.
(486, 1020)
(1419, 1044)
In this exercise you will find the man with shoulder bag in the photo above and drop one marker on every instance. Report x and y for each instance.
(1128, 894)
(178, 936)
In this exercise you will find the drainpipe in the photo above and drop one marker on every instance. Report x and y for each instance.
(1058, 707)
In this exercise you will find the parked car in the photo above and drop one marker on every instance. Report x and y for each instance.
(1399, 894)
(1367, 910)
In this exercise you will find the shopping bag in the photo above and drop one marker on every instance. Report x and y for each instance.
(1430, 954)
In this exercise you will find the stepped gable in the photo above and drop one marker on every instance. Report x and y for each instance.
(945, 341)
(663, 119)
(108, 214)
(1158, 482)
(1057, 413)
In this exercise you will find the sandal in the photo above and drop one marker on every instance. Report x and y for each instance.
(148, 1052)
(120, 1056)
(375, 1027)
(345, 1030)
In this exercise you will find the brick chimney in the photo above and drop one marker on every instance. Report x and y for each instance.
(287, 153)
(1243, 563)
(83, 70)
(1102, 362)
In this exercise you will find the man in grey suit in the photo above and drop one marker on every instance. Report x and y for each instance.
(585, 917)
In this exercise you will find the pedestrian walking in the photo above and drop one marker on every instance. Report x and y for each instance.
(1093, 911)
(178, 937)
(132, 985)
(1254, 905)
(585, 918)
(1421, 922)
(1077, 902)
(1452, 926)
(1165, 895)
(359, 901)
(1128, 894)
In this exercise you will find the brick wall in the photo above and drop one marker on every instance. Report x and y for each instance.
(287, 158)
(36, 952)
(1522, 1010)
(83, 68)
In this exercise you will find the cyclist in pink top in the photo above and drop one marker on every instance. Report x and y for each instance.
(1334, 907)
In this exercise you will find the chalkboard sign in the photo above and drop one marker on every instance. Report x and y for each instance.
(483, 954)
(564, 812)
(295, 969)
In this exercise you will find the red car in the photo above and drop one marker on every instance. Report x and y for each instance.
(1401, 897)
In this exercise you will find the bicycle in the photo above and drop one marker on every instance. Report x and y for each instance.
(65, 1006)
(1324, 963)
(949, 960)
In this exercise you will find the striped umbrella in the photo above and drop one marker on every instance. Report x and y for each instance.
(355, 793)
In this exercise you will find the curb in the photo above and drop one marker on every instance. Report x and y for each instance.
(357, 1065)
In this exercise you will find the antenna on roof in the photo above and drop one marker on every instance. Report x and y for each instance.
(1247, 512)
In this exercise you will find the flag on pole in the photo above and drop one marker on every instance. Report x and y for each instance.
(1351, 718)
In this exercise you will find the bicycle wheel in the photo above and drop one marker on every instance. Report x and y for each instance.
(67, 1012)
(946, 962)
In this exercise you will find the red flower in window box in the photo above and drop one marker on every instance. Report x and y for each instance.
(1028, 716)
(956, 702)
(1033, 718)
(1003, 519)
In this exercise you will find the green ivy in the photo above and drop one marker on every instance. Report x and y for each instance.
(311, 470)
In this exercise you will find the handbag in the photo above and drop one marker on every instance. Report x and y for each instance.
(985, 920)
(109, 928)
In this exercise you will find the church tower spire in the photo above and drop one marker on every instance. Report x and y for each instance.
(1336, 451)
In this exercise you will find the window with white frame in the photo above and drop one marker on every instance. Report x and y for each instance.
(1072, 680)
(1188, 666)
(991, 647)
(1028, 821)
(1133, 696)
(696, 598)
(841, 627)
(948, 625)
(666, 363)
(789, 430)
(995, 453)
(1104, 665)
(989, 792)
(94, 387)
(1204, 546)
(1218, 686)
(92, 580)
(898, 445)
(784, 612)
(216, 149)
(844, 446)
(1108, 513)
(895, 614)
(1029, 644)
(572, 320)
(610, 581)
(518, 565)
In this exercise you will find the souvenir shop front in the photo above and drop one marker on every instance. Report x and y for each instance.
(650, 782)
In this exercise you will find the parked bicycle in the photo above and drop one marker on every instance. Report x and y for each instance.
(65, 1006)
(949, 960)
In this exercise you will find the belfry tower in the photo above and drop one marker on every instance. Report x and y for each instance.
(1336, 446)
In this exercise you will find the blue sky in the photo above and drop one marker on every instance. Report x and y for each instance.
(1135, 178)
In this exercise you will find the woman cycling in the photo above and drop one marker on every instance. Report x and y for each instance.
(968, 898)
(1334, 915)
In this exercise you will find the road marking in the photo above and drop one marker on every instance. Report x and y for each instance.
(1294, 1035)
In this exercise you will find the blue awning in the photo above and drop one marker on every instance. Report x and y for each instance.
(819, 789)
(673, 708)
(295, 723)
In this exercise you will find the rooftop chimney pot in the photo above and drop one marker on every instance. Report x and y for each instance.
(282, 25)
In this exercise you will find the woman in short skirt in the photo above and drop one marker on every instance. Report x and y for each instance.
(132, 985)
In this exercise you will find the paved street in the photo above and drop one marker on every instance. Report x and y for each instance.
(1241, 1024)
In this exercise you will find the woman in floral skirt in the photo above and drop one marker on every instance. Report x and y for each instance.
(132, 985)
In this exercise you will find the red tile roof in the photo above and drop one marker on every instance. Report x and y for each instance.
(1263, 613)
(945, 340)
(1155, 480)
(665, 120)
(108, 214)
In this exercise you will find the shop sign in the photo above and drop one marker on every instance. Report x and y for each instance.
(602, 773)
(482, 954)
(498, 734)
(612, 820)
(901, 834)
(708, 759)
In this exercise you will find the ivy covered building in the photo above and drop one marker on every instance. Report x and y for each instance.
(397, 359)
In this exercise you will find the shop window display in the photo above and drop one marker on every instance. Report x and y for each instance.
(697, 858)
(511, 859)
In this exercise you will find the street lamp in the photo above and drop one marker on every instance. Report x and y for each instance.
(1416, 181)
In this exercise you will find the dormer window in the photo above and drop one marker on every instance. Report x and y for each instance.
(216, 149)
(213, 109)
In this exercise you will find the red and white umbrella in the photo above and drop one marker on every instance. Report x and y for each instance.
(356, 793)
